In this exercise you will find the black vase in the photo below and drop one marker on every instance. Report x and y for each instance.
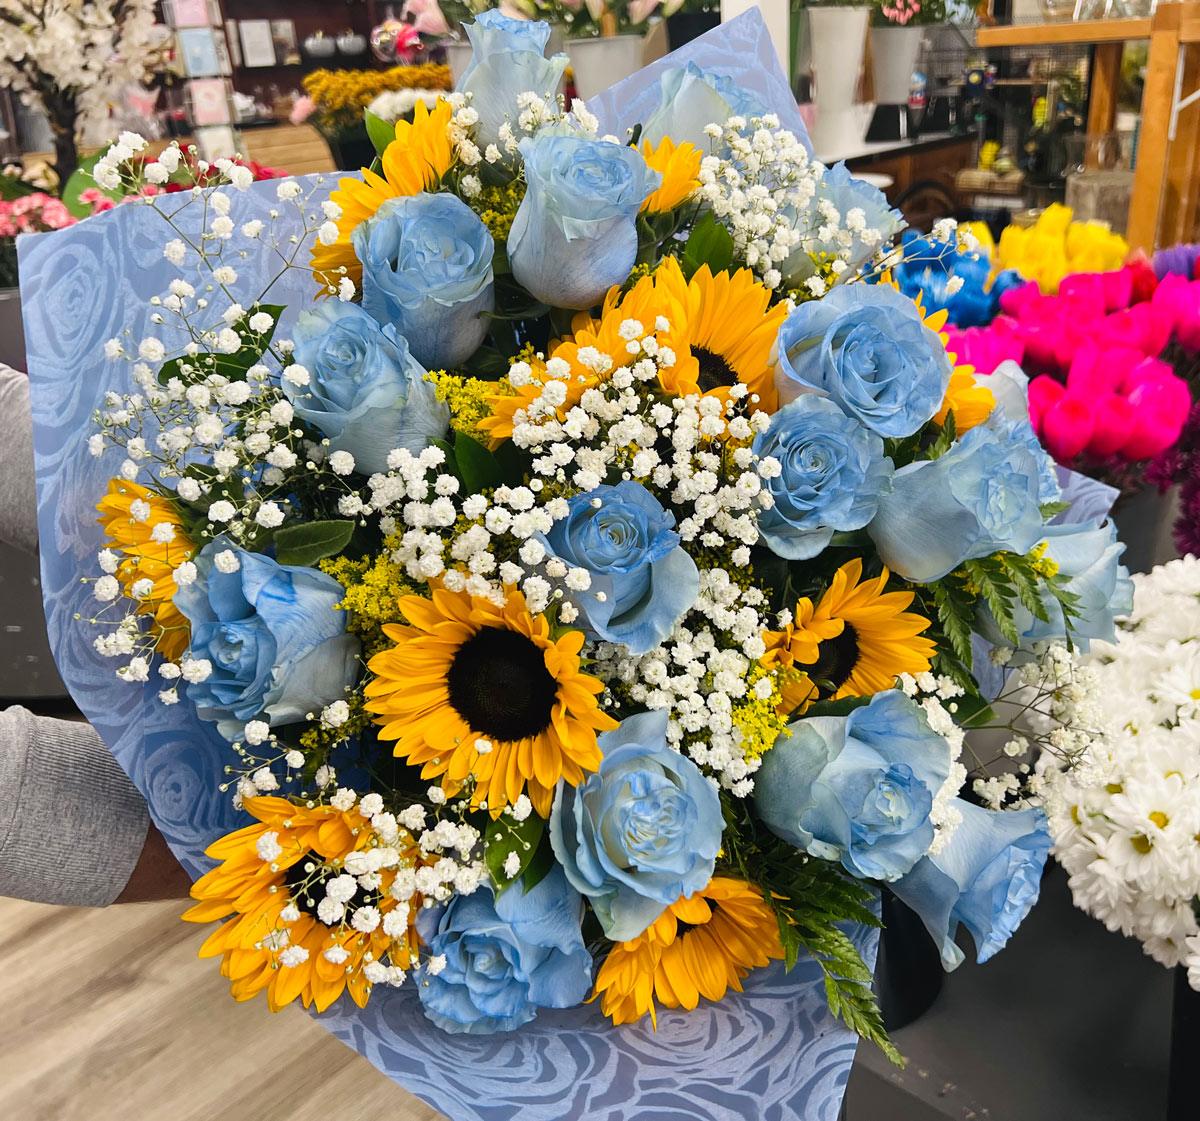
(352, 149)
(908, 970)
(1183, 1080)
(683, 27)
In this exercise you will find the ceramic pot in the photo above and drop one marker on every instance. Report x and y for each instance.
(602, 62)
(837, 37)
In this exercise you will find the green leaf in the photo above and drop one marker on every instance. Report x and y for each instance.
(306, 544)
(945, 438)
(80, 180)
(709, 244)
(381, 132)
(232, 366)
(1053, 509)
(956, 611)
(478, 467)
(505, 836)
(836, 708)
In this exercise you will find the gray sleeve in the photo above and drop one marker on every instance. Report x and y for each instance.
(18, 496)
(72, 825)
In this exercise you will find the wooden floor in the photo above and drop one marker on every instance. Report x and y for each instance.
(110, 1016)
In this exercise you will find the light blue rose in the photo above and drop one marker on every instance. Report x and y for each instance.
(865, 347)
(1020, 431)
(1089, 556)
(987, 878)
(366, 392)
(856, 789)
(640, 832)
(506, 61)
(642, 578)
(691, 98)
(505, 957)
(427, 270)
(274, 636)
(981, 497)
(833, 471)
(839, 187)
(575, 235)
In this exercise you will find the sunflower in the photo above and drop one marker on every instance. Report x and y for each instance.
(970, 402)
(472, 689)
(679, 166)
(698, 947)
(131, 531)
(728, 328)
(268, 887)
(855, 642)
(414, 162)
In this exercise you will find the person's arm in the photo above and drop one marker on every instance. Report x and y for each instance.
(73, 828)
(18, 495)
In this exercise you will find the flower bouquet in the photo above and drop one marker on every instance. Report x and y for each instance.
(543, 580)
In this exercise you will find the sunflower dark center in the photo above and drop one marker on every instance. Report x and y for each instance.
(306, 889)
(714, 370)
(500, 686)
(836, 659)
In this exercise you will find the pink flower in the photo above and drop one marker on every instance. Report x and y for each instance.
(1112, 418)
(302, 109)
(1066, 427)
(985, 348)
(1044, 394)
(1095, 372)
(1160, 402)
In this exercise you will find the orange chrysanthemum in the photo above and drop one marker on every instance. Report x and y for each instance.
(698, 947)
(263, 882)
(414, 162)
(472, 690)
(854, 643)
(131, 534)
(679, 166)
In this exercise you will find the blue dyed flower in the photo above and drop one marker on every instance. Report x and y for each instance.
(506, 957)
(840, 188)
(365, 391)
(1089, 556)
(987, 878)
(274, 636)
(427, 270)
(832, 472)
(642, 579)
(507, 59)
(574, 235)
(926, 270)
(983, 496)
(865, 347)
(857, 789)
(691, 98)
(640, 832)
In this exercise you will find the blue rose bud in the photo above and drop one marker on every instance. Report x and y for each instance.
(864, 346)
(832, 472)
(507, 61)
(506, 957)
(427, 270)
(857, 789)
(575, 235)
(365, 391)
(983, 496)
(274, 637)
(987, 878)
(642, 579)
(691, 98)
(640, 832)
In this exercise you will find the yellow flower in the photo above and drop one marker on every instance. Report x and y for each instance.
(281, 862)
(679, 166)
(970, 402)
(148, 559)
(855, 642)
(340, 96)
(472, 690)
(1055, 246)
(698, 947)
(414, 162)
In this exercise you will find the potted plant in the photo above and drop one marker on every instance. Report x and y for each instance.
(837, 35)
(897, 30)
(605, 40)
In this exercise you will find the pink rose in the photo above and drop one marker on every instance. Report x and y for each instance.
(1112, 418)
(1067, 427)
(1044, 394)
(1160, 406)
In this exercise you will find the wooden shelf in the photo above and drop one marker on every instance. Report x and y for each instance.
(1068, 31)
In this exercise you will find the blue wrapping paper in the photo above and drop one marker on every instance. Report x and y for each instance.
(773, 1053)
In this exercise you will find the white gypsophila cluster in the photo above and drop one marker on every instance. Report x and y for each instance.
(699, 674)
(1126, 820)
(936, 694)
(56, 53)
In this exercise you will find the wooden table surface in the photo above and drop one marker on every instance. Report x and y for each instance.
(110, 1016)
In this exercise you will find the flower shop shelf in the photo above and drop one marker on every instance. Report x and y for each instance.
(1070, 31)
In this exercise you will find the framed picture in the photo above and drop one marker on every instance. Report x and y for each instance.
(233, 41)
(187, 13)
(258, 48)
(283, 36)
(224, 64)
(208, 101)
(198, 49)
(216, 142)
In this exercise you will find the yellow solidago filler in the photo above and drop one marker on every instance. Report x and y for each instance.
(679, 166)
(496, 206)
(1045, 566)
(414, 162)
(857, 639)
(468, 400)
(760, 719)
(340, 96)
(129, 514)
(698, 947)
(264, 948)
(473, 690)
(374, 588)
